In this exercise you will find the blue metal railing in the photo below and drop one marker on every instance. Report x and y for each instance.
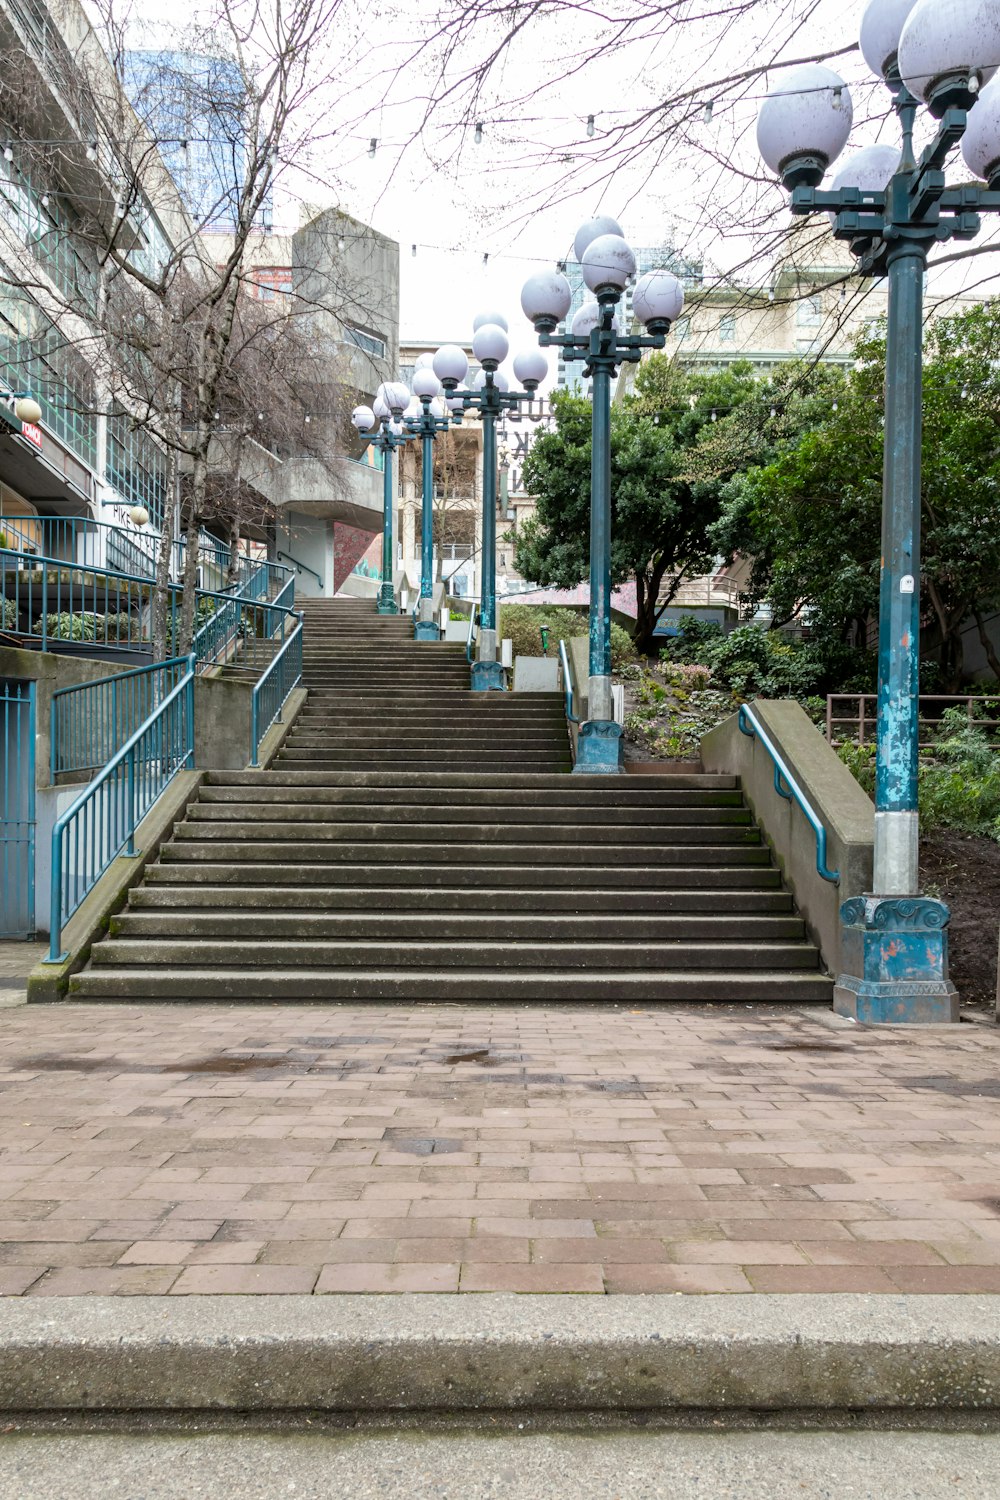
(101, 823)
(790, 790)
(301, 566)
(272, 689)
(471, 642)
(567, 677)
(89, 722)
(82, 542)
(50, 599)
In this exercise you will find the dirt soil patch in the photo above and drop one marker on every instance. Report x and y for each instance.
(965, 870)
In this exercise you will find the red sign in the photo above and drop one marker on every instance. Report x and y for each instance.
(32, 433)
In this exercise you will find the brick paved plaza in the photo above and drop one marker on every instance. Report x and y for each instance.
(203, 1149)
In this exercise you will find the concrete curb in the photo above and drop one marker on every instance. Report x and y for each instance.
(501, 1352)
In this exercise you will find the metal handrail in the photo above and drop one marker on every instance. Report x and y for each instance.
(302, 567)
(84, 715)
(567, 677)
(751, 726)
(290, 656)
(108, 811)
(470, 643)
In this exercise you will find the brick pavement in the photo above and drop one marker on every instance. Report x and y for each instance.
(199, 1149)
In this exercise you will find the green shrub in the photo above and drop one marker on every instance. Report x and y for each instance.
(696, 642)
(960, 786)
(9, 614)
(756, 663)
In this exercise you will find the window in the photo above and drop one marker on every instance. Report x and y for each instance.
(809, 313)
(727, 328)
(136, 466)
(369, 342)
(273, 281)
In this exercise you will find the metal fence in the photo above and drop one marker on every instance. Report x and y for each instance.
(90, 722)
(17, 809)
(272, 689)
(101, 823)
(851, 717)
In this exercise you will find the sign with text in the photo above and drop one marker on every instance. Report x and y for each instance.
(31, 433)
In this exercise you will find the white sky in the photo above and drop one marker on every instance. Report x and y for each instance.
(506, 198)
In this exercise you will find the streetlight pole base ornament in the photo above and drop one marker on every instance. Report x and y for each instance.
(895, 954)
(386, 602)
(599, 748)
(426, 630)
(487, 677)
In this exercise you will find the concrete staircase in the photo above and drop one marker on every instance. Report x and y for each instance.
(416, 841)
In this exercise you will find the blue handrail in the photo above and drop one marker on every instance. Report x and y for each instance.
(91, 720)
(567, 678)
(272, 688)
(751, 726)
(101, 823)
(470, 643)
(302, 567)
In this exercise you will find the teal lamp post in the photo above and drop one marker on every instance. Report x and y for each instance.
(490, 397)
(425, 417)
(596, 338)
(382, 422)
(893, 208)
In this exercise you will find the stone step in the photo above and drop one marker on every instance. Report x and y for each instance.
(441, 852)
(428, 759)
(277, 810)
(190, 865)
(474, 780)
(436, 926)
(559, 803)
(497, 836)
(276, 954)
(453, 984)
(437, 899)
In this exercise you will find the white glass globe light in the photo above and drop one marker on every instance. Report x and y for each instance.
(438, 409)
(490, 344)
(451, 365)
(424, 362)
(454, 403)
(396, 427)
(981, 142)
(381, 407)
(944, 46)
(530, 368)
(500, 380)
(657, 300)
(592, 230)
(138, 515)
(413, 410)
(870, 169)
(881, 27)
(364, 418)
(588, 317)
(27, 409)
(545, 299)
(425, 382)
(398, 395)
(608, 261)
(804, 123)
(495, 319)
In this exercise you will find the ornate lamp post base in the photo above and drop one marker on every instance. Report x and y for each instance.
(487, 677)
(426, 630)
(386, 603)
(599, 748)
(896, 961)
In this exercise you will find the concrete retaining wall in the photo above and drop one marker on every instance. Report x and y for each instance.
(844, 809)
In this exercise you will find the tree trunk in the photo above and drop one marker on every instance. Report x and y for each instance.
(234, 551)
(987, 645)
(189, 599)
(163, 646)
(648, 610)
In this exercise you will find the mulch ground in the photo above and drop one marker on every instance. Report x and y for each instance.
(204, 1149)
(965, 871)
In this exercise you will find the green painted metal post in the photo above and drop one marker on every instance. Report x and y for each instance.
(599, 688)
(425, 629)
(896, 821)
(386, 594)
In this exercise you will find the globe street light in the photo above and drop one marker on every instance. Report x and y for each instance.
(596, 337)
(892, 209)
(425, 417)
(382, 421)
(490, 397)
